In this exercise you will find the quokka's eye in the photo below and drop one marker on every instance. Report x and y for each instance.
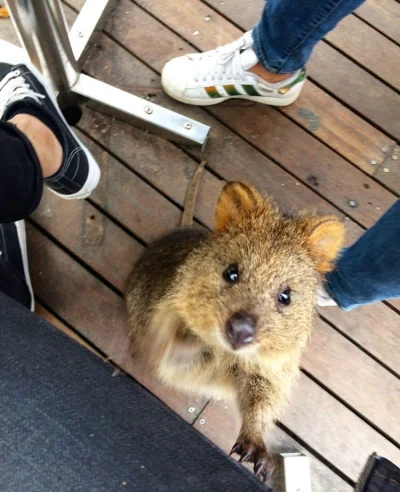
(231, 274)
(284, 297)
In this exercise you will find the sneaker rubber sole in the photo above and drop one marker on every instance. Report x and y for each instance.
(268, 100)
(21, 232)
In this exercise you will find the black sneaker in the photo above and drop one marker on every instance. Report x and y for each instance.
(23, 89)
(14, 263)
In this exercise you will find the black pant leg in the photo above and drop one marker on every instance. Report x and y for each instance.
(13, 285)
(21, 180)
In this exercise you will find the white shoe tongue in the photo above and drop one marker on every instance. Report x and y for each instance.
(248, 59)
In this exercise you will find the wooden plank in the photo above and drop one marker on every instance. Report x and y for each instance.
(357, 88)
(315, 110)
(228, 154)
(83, 229)
(369, 48)
(162, 164)
(375, 328)
(336, 73)
(332, 430)
(301, 154)
(41, 311)
(389, 171)
(342, 130)
(384, 15)
(355, 378)
(8, 32)
(310, 161)
(218, 424)
(315, 418)
(95, 312)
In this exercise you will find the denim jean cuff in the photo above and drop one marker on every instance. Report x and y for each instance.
(333, 288)
(259, 51)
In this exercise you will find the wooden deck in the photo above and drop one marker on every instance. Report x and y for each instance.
(333, 146)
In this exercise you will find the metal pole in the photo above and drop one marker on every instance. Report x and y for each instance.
(41, 27)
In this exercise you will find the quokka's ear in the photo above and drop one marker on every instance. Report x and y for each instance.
(325, 238)
(236, 201)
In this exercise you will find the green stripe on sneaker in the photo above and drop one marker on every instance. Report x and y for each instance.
(299, 79)
(251, 90)
(212, 91)
(231, 90)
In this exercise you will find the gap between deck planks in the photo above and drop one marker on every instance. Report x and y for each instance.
(383, 15)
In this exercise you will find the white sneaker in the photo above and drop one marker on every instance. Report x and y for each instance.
(209, 78)
(323, 298)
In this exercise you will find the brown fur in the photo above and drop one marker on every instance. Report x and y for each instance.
(179, 303)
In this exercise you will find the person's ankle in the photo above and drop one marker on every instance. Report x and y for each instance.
(272, 78)
(48, 149)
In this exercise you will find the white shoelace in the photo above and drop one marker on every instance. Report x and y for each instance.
(224, 62)
(15, 88)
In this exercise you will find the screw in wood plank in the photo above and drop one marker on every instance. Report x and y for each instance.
(373, 162)
(384, 149)
(386, 170)
(207, 18)
(191, 410)
(188, 126)
(352, 203)
(80, 34)
(202, 421)
(196, 33)
(395, 157)
(148, 109)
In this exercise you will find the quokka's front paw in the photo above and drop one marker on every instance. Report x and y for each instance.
(255, 451)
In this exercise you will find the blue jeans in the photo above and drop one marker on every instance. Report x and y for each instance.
(289, 30)
(369, 271)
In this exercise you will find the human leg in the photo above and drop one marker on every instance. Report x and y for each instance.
(289, 30)
(265, 65)
(29, 111)
(369, 271)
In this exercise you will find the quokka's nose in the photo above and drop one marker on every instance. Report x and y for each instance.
(240, 329)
